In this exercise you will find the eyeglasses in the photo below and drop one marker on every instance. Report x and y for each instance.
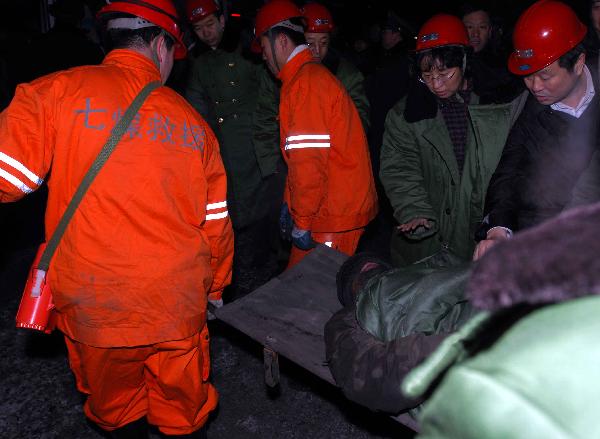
(442, 77)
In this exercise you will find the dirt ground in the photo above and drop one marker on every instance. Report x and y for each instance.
(39, 399)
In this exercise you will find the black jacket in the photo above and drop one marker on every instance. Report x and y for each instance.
(386, 84)
(545, 154)
(592, 46)
(492, 81)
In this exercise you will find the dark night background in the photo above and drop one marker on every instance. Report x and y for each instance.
(24, 22)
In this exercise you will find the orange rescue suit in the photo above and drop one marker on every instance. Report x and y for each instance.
(330, 187)
(151, 240)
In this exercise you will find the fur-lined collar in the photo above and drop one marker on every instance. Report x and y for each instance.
(553, 262)
(421, 104)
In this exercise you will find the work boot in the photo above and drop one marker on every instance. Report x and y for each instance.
(134, 430)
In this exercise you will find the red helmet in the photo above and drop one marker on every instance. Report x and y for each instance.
(270, 14)
(196, 10)
(318, 18)
(442, 30)
(547, 30)
(162, 13)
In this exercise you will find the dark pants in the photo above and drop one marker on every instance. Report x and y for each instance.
(259, 252)
(378, 233)
(253, 263)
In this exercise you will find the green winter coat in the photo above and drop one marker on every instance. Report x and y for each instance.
(401, 315)
(427, 298)
(539, 380)
(224, 88)
(527, 365)
(266, 126)
(421, 177)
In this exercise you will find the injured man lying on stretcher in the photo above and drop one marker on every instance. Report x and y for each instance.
(512, 333)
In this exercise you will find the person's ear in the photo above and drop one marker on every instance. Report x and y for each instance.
(579, 64)
(283, 41)
(222, 21)
(162, 50)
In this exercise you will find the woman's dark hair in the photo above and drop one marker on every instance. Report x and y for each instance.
(296, 37)
(445, 56)
(568, 60)
(125, 38)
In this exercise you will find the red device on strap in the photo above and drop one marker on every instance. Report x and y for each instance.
(36, 308)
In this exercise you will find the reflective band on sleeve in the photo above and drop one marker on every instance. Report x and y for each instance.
(308, 137)
(301, 141)
(215, 216)
(15, 181)
(21, 168)
(218, 205)
(307, 145)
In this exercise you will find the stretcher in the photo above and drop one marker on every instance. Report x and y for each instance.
(287, 316)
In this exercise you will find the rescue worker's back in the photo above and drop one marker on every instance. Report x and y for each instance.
(153, 223)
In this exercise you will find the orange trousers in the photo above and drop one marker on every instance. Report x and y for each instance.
(165, 382)
(345, 242)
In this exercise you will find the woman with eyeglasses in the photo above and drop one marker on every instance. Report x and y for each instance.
(440, 148)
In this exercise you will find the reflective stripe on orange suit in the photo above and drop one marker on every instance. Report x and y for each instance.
(151, 238)
(330, 185)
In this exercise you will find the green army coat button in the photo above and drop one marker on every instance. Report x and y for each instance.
(234, 100)
(231, 64)
(220, 120)
(232, 83)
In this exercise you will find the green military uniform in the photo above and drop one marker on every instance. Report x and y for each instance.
(266, 127)
(224, 87)
(421, 177)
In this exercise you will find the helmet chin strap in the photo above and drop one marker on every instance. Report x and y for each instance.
(272, 43)
(464, 66)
